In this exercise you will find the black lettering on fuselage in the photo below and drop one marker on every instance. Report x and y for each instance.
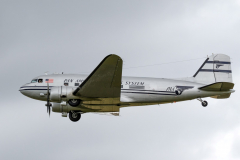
(68, 80)
(134, 83)
(171, 89)
(79, 80)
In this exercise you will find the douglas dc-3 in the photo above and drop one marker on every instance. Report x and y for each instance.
(106, 91)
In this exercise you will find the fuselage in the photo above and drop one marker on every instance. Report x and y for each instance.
(106, 90)
(134, 90)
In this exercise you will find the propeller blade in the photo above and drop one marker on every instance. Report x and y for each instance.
(49, 110)
(48, 101)
(48, 92)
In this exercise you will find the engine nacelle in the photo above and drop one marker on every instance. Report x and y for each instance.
(58, 107)
(62, 93)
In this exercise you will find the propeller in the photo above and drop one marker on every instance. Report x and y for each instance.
(48, 100)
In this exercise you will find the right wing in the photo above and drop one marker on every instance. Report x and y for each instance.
(104, 81)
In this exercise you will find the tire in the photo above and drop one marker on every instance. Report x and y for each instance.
(204, 103)
(74, 102)
(74, 116)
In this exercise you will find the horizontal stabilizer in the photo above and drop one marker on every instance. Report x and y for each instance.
(220, 86)
(224, 96)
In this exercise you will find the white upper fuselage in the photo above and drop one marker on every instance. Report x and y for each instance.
(133, 89)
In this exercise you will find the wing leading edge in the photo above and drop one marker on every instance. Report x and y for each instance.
(104, 81)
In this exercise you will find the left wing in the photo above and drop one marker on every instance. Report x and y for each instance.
(104, 81)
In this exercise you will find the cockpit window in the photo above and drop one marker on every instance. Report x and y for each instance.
(34, 81)
(40, 80)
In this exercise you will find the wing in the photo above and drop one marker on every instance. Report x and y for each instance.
(104, 81)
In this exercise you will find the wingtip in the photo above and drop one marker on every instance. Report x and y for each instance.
(113, 55)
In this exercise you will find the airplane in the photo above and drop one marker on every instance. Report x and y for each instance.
(105, 90)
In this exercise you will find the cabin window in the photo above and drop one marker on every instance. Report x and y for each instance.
(76, 84)
(34, 81)
(65, 84)
(40, 80)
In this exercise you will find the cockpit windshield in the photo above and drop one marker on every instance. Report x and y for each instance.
(34, 81)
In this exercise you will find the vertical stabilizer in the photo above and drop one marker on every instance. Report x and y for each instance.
(216, 68)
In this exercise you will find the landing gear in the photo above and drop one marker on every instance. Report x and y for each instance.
(74, 102)
(74, 116)
(204, 103)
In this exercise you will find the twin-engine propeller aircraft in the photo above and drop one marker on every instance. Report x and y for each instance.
(105, 90)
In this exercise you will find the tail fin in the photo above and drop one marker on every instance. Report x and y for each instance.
(216, 68)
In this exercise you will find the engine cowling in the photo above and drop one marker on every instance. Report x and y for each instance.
(58, 107)
(62, 93)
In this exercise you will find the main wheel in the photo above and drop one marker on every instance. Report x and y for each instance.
(74, 116)
(204, 103)
(74, 102)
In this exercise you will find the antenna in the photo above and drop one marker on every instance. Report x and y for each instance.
(46, 73)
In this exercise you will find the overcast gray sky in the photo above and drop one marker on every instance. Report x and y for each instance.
(74, 36)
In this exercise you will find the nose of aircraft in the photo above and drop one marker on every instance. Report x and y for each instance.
(23, 89)
(20, 88)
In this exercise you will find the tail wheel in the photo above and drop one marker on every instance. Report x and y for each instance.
(204, 103)
(74, 102)
(74, 116)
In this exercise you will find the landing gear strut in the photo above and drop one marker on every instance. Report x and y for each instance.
(74, 116)
(204, 103)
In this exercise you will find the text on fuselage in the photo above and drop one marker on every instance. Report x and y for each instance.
(72, 80)
(134, 83)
